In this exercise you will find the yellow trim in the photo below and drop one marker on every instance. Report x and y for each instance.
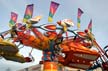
(78, 25)
(5, 42)
(50, 19)
(24, 20)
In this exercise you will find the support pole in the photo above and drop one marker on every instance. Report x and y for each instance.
(50, 66)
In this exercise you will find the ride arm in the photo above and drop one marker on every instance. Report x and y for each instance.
(2, 34)
(68, 30)
(38, 33)
(96, 44)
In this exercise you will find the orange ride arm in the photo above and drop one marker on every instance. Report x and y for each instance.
(38, 33)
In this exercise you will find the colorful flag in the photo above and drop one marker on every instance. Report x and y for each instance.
(90, 25)
(13, 19)
(53, 8)
(80, 12)
(28, 13)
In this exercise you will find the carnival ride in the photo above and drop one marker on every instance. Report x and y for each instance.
(72, 51)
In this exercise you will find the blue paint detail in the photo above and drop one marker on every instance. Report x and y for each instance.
(51, 49)
(52, 44)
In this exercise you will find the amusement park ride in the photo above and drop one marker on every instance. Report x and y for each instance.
(72, 51)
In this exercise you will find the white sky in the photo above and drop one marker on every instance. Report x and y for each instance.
(97, 10)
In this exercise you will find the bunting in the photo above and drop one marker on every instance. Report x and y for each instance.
(53, 8)
(13, 19)
(28, 13)
(80, 12)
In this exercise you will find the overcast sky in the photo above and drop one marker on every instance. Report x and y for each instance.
(97, 10)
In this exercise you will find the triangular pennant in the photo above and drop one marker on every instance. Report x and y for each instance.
(28, 13)
(13, 19)
(80, 12)
(90, 26)
(53, 8)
